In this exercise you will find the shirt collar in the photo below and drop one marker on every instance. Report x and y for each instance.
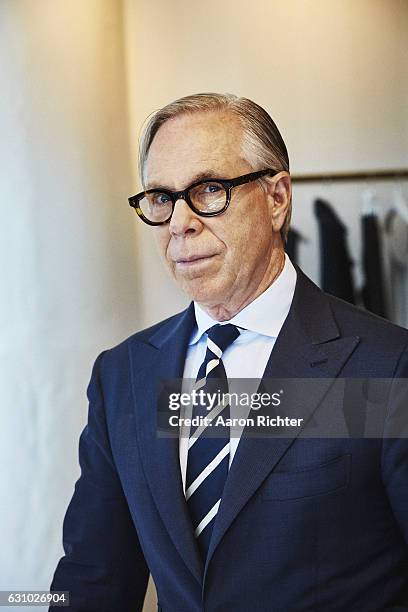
(265, 315)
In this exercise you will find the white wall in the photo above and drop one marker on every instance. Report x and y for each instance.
(68, 281)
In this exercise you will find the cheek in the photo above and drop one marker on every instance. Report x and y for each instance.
(235, 252)
(162, 238)
(250, 238)
(246, 232)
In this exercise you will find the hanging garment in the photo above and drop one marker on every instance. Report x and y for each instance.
(396, 244)
(335, 261)
(292, 244)
(373, 269)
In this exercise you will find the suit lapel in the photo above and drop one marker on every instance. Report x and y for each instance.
(164, 355)
(308, 346)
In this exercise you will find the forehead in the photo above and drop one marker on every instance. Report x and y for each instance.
(189, 145)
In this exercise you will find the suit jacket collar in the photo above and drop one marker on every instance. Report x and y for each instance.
(310, 311)
(309, 345)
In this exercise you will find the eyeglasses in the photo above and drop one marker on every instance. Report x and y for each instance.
(206, 198)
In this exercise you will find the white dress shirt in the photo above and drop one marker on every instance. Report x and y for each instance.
(247, 357)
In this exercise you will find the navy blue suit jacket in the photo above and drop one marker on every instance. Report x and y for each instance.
(304, 524)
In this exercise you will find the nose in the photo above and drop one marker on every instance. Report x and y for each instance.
(184, 220)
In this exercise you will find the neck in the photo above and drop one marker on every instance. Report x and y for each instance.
(231, 307)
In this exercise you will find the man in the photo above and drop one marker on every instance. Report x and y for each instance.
(237, 523)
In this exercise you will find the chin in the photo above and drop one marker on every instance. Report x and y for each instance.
(203, 292)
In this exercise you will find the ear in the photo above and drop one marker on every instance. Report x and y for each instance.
(280, 196)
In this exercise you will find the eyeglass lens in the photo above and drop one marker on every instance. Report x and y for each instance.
(205, 197)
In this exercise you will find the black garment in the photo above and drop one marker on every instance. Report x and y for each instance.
(335, 261)
(373, 289)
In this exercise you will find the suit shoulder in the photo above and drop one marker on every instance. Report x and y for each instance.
(356, 320)
(142, 336)
(376, 332)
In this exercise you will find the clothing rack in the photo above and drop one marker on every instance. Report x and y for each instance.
(365, 175)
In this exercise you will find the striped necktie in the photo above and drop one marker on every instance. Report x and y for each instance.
(208, 457)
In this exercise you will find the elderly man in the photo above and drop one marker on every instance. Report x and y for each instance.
(234, 522)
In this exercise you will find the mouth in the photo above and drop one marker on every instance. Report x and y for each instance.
(193, 260)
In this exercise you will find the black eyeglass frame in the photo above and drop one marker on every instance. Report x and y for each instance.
(228, 185)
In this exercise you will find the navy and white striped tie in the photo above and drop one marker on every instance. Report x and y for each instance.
(208, 457)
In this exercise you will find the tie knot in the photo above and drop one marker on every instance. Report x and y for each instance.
(223, 335)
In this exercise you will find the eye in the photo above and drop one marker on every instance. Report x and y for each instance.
(212, 188)
(160, 199)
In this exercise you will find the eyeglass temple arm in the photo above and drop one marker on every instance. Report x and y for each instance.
(247, 178)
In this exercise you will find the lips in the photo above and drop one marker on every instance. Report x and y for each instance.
(192, 258)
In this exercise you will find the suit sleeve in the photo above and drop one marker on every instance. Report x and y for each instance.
(103, 567)
(395, 445)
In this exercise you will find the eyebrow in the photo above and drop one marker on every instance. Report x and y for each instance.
(200, 176)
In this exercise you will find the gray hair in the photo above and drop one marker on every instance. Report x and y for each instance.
(262, 146)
